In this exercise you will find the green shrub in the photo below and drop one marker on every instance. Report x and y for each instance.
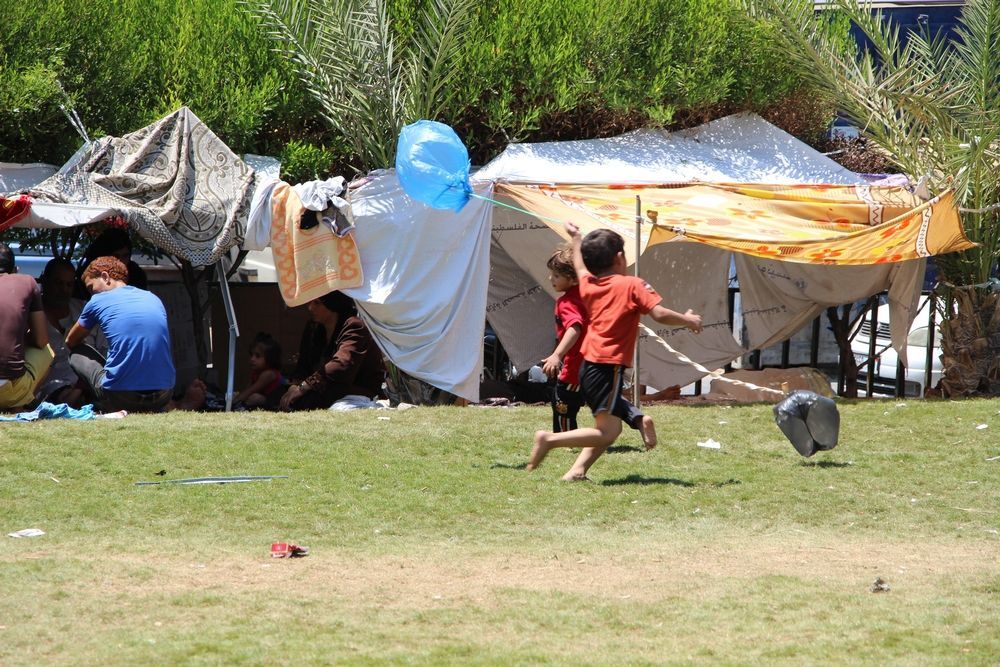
(29, 110)
(125, 64)
(304, 161)
(530, 70)
(564, 69)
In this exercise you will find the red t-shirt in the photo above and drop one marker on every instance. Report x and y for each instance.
(570, 311)
(615, 304)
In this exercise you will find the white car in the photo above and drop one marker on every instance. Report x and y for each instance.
(886, 357)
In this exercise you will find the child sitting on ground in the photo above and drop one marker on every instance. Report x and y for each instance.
(571, 323)
(615, 302)
(266, 383)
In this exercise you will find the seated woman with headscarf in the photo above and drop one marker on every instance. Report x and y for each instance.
(338, 358)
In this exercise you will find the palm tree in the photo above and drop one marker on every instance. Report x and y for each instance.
(369, 76)
(933, 105)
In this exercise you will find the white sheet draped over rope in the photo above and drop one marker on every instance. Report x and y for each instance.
(426, 273)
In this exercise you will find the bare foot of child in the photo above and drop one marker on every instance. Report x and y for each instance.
(574, 477)
(194, 397)
(538, 451)
(648, 430)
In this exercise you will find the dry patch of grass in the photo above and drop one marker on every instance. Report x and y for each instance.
(639, 571)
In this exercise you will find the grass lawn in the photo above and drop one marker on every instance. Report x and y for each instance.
(431, 545)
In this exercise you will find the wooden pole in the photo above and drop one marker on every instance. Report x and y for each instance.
(636, 387)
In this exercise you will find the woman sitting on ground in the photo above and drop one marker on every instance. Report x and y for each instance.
(337, 357)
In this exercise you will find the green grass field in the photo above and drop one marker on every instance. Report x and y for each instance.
(431, 545)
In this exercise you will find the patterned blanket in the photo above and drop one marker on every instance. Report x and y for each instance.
(175, 182)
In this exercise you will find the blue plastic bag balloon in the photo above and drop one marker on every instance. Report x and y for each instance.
(433, 165)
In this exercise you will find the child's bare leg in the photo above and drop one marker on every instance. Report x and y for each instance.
(539, 449)
(580, 437)
(255, 400)
(609, 427)
(648, 430)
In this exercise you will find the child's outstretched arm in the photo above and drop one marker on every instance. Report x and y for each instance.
(551, 363)
(689, 318)
(575, 239)
(266, 377)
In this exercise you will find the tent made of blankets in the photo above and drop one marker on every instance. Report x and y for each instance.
(174, 182)
(183, 190)
(803, 232)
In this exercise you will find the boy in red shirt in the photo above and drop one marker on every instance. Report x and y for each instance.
(615, 303)
(571, 323)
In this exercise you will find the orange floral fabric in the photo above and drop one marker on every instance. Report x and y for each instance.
(310, 262)
(812, 224)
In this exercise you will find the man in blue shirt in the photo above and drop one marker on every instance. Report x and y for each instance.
(138, 375)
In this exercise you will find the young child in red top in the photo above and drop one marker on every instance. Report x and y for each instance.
(571, 323)
(615, 302)
(266, 383)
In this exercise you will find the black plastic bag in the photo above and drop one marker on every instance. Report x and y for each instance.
(810, 421)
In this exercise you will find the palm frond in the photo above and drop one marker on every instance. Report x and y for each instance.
(368, 81)
(932, 103)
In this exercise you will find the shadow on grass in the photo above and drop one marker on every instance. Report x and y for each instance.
(644, 481)
(508, 466)
(825, 464)
(625, 448)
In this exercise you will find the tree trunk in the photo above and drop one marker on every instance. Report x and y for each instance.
(841, 325)
(970, 342)
(199, 312)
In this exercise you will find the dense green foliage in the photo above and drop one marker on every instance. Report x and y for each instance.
(578, 68)
(127, 63)
(545, 69)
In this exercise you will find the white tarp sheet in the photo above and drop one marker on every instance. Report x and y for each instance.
(15, 176)
(742, 148)
(425, 273)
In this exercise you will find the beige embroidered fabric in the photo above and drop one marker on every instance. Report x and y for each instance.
(309, 262)
(175, 182)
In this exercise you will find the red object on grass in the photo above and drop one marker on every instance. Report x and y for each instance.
(287, 550)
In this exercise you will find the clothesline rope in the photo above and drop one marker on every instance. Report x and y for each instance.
(717, 374)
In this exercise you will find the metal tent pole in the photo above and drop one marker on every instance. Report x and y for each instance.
(234, 332)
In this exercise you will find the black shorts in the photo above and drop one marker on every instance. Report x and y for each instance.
(566, 403)
(602, 389)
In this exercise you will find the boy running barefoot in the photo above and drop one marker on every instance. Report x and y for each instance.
(615, 303)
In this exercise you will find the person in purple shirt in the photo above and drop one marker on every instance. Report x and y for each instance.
(25, 355)
(138, 374)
